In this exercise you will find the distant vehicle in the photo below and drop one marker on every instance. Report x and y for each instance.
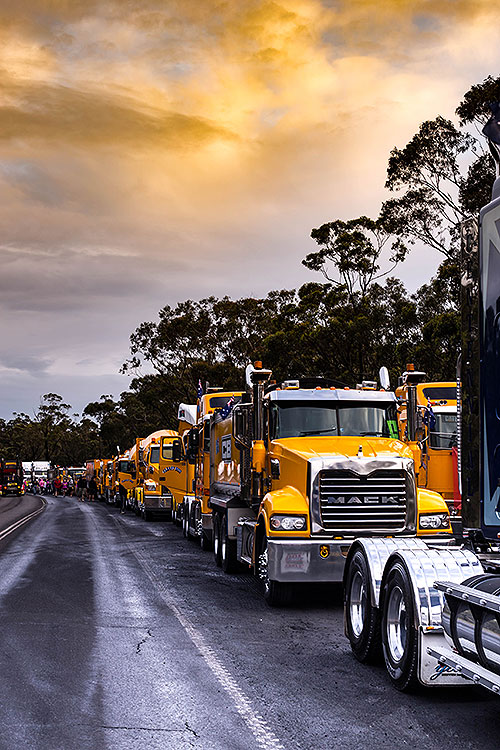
(36, 470)
(11, 478)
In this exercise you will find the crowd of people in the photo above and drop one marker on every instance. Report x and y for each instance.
(63, 486)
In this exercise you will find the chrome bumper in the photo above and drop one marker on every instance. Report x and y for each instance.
(307, 560)
(158, 502)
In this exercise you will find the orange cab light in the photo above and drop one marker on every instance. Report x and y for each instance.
(410, 367)
(258, 365)
(347, 388)
(318, 387)
(332, 388)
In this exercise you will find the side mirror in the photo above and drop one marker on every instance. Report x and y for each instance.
(177, 450)
(193, 444)
(242, 425)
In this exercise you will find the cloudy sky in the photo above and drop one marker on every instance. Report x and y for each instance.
(155, 150)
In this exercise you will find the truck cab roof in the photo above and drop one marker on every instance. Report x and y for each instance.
(331, 394)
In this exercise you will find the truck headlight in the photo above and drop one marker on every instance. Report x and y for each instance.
(434, 521)
(288, 523)
(150, 485)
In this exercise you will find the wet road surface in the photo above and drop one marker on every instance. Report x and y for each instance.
(118, 633)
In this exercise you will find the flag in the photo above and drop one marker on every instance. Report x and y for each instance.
(429, 418)
(226, 410)
(199, 392)
(492, 128)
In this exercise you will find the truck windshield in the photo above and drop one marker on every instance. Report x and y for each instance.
(300, 418)
(154, 455)
(444, 434)
(440, 393)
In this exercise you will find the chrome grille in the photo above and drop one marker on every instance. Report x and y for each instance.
(351, 502)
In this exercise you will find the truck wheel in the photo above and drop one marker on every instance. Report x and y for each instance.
(229, 561)
(276, 593)
(399, 635)
(205, 542)
(185, 522)
(217, 539)
(362, 619)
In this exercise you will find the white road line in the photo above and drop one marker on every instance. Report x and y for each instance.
(263, 734)
(22, 521)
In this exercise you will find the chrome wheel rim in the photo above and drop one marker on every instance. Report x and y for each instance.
(357, 604)
(397, 624)
(216, 539)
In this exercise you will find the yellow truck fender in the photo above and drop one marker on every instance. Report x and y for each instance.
(429, 502)
(287, 501)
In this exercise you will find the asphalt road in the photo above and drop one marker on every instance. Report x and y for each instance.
(118, 633)
(14, 512)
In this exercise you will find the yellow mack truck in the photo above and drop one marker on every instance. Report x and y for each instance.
(428, 422)
(152, 494)
(176, 471)
(298, 471)
(197, 516)
(126, 474)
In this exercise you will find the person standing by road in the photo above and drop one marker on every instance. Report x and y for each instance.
(92, 490)
(57, 486)
(123, 497)
(81, 488)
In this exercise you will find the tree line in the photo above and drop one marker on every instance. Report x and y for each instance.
(357, 317)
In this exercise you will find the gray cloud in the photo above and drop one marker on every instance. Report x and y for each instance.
(24, 362)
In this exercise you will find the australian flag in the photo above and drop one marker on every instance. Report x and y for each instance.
(429, 418)
(492, 128)
(199, 392)
(226, 410)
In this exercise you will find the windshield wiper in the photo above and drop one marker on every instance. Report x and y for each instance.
(373, 434)
(317, 432)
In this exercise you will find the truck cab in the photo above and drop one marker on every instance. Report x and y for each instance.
(300, 470)
(152, 495)
(197, 510)
(434, 436)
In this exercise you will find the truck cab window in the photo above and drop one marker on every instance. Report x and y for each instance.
(154, 455)
(167, 451)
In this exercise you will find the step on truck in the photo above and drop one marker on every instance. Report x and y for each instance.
(296, 472)
(434, 614)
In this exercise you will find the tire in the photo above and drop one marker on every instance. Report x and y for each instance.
(185, 522)
(276, 593)
(205, 542)
(362, 619)
(217, 539)
(399, 635)
(229, 561)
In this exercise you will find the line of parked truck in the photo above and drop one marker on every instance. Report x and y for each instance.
(394, 494)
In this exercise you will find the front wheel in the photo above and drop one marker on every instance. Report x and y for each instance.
(276, 593)
(205, 542)
(361, 617)
(217, 539)
(399, 635)
(228, 557)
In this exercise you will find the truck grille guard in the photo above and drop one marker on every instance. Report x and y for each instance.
(378, 496)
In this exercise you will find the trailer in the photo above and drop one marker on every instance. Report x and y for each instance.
(433, 613)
